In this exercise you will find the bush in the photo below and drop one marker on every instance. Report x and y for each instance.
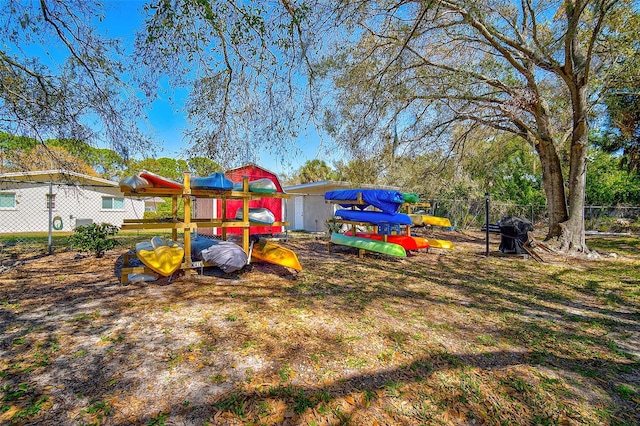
(93, 238)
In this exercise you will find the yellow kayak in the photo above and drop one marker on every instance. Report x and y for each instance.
(436, 221)
(163, 257)
(269, 252)
(421, 219)
(443, 244)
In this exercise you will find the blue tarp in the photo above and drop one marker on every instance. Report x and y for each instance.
(385, 200)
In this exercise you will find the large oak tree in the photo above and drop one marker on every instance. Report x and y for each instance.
(442, 68)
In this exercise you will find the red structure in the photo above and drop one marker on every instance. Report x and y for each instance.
(254, 172)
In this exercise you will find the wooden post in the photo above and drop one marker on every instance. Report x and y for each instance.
(186, 196)
(174, 216)
(245, 214)
(223, 215)
(408, 228)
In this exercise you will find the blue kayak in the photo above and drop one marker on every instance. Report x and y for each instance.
(216, 182)
(376, 218)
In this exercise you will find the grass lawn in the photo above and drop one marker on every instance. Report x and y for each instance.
(438, 338)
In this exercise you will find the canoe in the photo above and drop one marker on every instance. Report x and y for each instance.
(269, 252)
(443, 244)
(374, 217)
(163, 257)
(159, 181)
(258, 215)
(369, 245)
(408, 243)
(214, 182)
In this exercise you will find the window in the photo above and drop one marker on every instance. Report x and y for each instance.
(51, 201)
(7, 200)
(113, 203)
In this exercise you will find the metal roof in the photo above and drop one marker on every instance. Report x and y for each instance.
(57, 175)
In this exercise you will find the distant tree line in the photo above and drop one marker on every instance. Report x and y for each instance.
(505, 168)
(19, 153)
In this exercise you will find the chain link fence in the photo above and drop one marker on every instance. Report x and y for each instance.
(470, 214)
(37, 216)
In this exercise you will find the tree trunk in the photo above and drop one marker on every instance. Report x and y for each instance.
(553, 183)
(573, 233)
(575, 73)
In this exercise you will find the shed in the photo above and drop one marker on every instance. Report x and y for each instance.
(208, 208)
(29, 199)
(307, 210)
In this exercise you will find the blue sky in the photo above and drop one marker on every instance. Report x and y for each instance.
(167, 122)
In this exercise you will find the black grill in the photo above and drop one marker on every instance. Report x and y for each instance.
(513, 234)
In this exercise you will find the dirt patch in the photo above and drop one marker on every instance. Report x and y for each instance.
(444, 337)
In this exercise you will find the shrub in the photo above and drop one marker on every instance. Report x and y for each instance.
(93, 238)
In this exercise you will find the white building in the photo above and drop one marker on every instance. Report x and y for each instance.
(75, 199)
(306, 208)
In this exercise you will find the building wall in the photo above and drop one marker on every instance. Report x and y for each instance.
(315, 212)
(275, 205)
(205, 208)
(82, 204)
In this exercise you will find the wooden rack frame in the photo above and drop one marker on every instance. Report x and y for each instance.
(188, 224)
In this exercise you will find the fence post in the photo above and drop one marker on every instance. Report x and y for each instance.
(486, 221)
(532, 218)
(50, 206)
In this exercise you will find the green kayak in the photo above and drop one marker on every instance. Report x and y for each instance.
(368, 244)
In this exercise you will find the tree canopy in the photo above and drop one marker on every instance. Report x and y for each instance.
(441, 71)
(314, 171)
(241, 63)
(87, 96)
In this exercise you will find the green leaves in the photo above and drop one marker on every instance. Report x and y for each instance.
(94, 238)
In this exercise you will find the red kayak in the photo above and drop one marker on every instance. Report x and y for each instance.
(159, 181)
(408, 243)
